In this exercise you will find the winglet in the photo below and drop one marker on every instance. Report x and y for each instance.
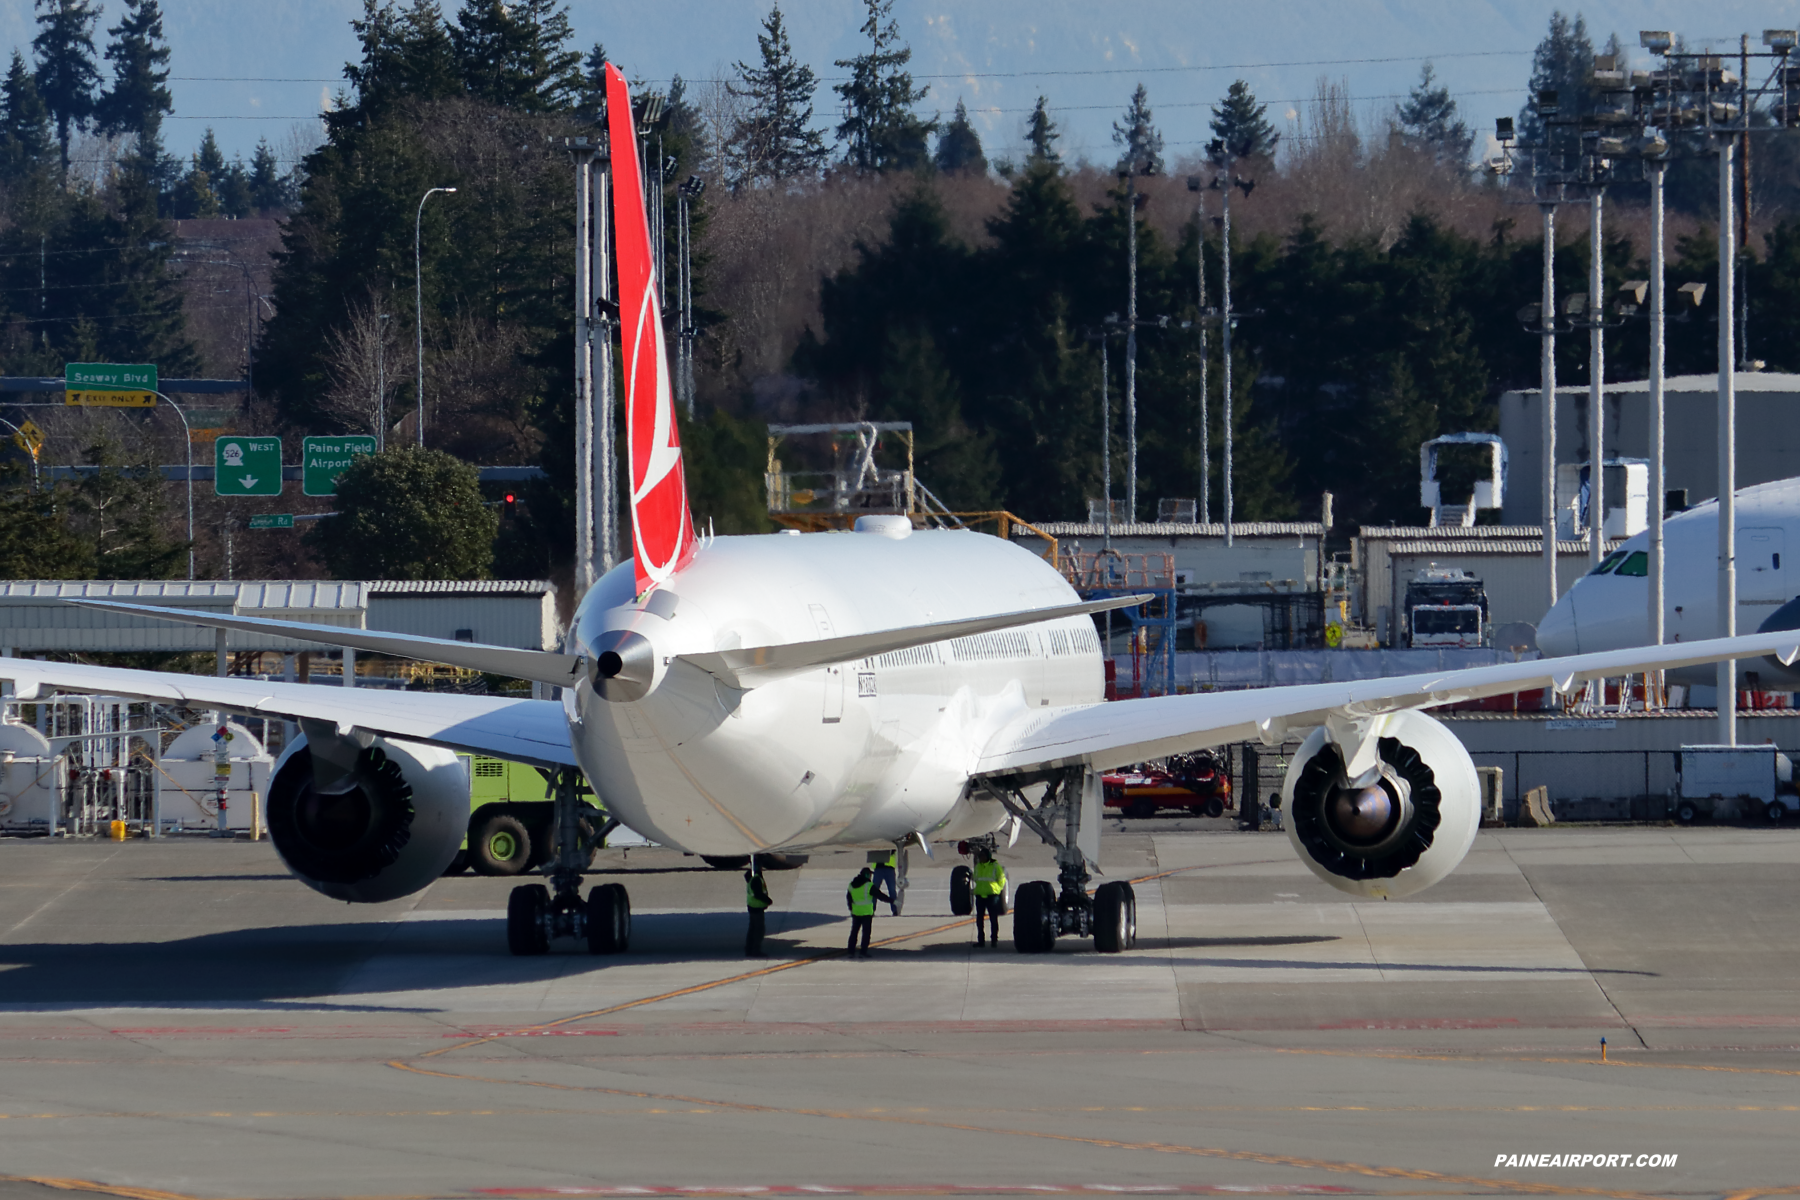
(662, 526)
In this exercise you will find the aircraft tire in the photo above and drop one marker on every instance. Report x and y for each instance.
(608, 919)
(525, 910)
(1110, 919)
(1130, 895)
(962, 891)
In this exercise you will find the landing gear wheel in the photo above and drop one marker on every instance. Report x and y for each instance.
(1215, 807)
(608, 919)
(962, 891)
(500, 846)
(526, 909)
(1141, 809)
(1112, 919)
(1130, 896)
(1776, 812)
(1034, 918)
(1687, 814)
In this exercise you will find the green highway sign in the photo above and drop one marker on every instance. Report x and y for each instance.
(324, 458)
(272, 521)
(247, 466)
(110, 385)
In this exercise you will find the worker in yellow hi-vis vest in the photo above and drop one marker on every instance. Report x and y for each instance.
(990, 894)
(860, 899)
(756, 899)
(885, 865)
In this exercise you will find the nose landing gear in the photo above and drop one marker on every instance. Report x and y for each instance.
(536, 913)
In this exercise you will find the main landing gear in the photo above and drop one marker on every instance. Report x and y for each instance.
(1043, 911)
(536, 913)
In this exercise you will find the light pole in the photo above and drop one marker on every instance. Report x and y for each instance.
(1131, 468)
(1727, 412)
(685, 332)
(1596, 384)
(419, 306)
(1193, 184)
(1225, 183)
(381, 321)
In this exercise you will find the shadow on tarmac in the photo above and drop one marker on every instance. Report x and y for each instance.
(259, 967)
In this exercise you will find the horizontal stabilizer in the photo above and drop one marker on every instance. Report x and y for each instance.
(754, 665)
(559, 670)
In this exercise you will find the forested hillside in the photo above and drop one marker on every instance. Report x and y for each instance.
(857, 254)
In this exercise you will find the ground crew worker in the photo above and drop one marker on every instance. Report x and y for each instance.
(885, 874)
(990, 894)
(861, 899)
(756, 899)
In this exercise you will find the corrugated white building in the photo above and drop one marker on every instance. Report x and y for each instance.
(1768, 434)
(35, 618)
(1261, 551)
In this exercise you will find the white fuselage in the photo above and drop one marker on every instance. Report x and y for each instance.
(1611, 611)
(862, 753)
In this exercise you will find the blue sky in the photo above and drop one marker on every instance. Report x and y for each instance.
(252, 68)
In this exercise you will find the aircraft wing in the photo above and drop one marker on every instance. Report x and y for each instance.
(1131, 731)
(528, 731)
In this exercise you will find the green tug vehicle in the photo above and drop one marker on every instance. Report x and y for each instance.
(510, 812)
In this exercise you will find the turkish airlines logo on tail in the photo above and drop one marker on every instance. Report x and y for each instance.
(662, 527)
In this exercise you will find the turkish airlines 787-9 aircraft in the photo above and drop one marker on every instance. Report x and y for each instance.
(878, 688)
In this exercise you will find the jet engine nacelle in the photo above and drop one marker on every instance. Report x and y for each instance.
(1397, 833)
(368, 823)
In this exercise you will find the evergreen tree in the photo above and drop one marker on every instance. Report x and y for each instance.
(36, 541)
(197, 194)
(66, 72)
(1428, 121)
(880, 131)
(959, 146)
(406, 55)
(139, 96)
(408, 513)
(776, 141)
(591, 102)
(267, 190)
(1240, 127)
(1141, 145)
(120, 512)
(26, 135)
(516, 54)
(235, 197)
(1562, 63)
(1041, 135)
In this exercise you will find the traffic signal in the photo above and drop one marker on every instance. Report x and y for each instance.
(511, 506)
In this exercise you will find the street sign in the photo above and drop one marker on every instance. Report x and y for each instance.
(272, 521)
(29, 437)
(323, 459)
(247, 466)
(110, 385)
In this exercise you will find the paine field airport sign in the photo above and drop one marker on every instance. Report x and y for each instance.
(110, 385)
(247, 466)
(323, 459)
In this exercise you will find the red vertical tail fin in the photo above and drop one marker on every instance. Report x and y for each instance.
(662, 526)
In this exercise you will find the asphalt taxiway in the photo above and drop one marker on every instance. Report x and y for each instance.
(182, 1019)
